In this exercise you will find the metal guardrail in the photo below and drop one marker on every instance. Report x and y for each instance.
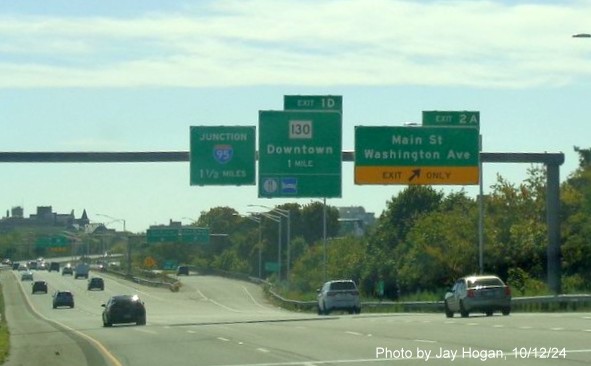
(530, 303)
(523, 303)
(144, 281)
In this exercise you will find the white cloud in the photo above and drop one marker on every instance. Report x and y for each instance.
(348, 42)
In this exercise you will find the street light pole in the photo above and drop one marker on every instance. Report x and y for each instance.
(126, 239)
(259, 221)
(278, 220)
(287, 215)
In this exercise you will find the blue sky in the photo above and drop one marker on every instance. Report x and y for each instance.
(135, 75)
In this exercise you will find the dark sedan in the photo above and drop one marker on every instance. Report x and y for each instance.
(124, 309)
(63, 298)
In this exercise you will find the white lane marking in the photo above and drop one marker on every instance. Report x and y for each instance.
(472, 324)
(253, 299)
(223, 339)
(217, 303)
(202, 295)
(191, 331)
(263, 350)
(526, 327)
(353, 333)
(586, 330)
(498, 326)
(557, 329)
(425, 341)
(225, 307)
(147, 331)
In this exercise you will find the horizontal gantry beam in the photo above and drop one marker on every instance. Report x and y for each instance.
(182, 156)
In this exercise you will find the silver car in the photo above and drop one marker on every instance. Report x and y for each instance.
(27, 276)
(485, 294)
(338, 295)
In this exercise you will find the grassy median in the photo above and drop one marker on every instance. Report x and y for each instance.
(4, 334)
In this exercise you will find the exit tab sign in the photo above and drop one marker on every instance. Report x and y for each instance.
(313, 102)
(451, 118)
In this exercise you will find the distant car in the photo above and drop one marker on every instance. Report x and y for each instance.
(483, 293)
(182, 270)
(63, 298)
(338, 295)
(39, 286)
(54, 266)
(27, 276)
(15, 265)
(67, 271)
(96, 283)
(22, 267)
(124, 309)
(81, 270)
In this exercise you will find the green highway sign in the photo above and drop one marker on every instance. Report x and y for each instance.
(272, 266)
(52, 242)
(313, 102)
(416, 155)
(191, 235)
(300, 154)
(451, 118)
(222, 155)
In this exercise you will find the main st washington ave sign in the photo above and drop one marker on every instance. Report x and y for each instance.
(416, 155)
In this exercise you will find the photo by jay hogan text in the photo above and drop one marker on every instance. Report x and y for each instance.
(468, 353)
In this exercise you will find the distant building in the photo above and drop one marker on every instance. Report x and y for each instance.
(353, 220)
(44, 216)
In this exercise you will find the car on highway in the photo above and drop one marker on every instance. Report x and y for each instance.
(338, 295)
(479, 293)
(39, 286)
(67, 270)
(124, 309)
(182, 270)
(63, 298)
(27, 276)
(96, 283)
(54, 266)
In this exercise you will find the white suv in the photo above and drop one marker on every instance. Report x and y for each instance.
(338, 295)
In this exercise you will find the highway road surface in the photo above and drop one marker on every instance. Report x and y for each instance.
(218, 321)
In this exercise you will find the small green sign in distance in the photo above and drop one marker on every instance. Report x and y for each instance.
(313, 102)
(223, 155)
(52, 242)
(300, 154)
(451, 118)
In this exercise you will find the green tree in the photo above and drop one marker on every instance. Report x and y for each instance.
(576, 222)
(393, 225)
(518, 216)
(441, 246)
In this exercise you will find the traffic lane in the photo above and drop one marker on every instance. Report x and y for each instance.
(229, 294)
(346, 340)
(87, 312)
(432, 331)
(34, 340)
(409, 338)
